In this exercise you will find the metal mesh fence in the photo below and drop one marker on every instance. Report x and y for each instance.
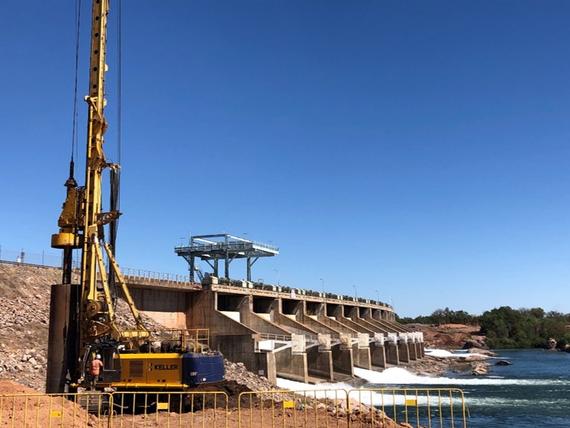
(53, 259)
(381, 407)
(42, 258)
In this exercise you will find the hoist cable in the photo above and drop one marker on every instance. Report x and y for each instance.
(119, 78)
(115, 174)
(117, 178)
(74, 144)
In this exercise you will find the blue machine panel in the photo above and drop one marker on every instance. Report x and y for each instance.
(202, 368)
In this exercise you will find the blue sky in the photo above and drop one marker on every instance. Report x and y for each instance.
(415, 148)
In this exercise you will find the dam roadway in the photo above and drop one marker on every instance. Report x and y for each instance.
(282, 332)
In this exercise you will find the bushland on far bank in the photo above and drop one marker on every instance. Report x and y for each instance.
(506, 327)
(443, 316)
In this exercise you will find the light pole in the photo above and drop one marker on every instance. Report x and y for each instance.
(277, 273)
(355, 297)
(377, 296)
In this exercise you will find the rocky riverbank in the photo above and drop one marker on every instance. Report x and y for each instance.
(451, 336)
(438, 362)
(437, 366)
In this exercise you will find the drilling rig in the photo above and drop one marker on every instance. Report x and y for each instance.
(83, 319)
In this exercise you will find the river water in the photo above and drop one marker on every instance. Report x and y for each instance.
(533, 392)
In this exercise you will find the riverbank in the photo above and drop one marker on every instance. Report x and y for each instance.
(438, 362)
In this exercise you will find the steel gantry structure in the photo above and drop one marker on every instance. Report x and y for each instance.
(225, 247)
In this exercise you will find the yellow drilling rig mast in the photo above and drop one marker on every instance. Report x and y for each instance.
(90, 316)
(82, 316)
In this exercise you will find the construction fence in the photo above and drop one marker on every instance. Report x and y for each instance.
(382, 407)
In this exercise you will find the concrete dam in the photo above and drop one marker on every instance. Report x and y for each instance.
(276, 331)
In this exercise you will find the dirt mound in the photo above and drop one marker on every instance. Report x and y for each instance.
(11, 387)
(24, 318)
(26, 281)
(23, 407)
(24, 315)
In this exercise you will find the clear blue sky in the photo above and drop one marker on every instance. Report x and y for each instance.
(418, 148)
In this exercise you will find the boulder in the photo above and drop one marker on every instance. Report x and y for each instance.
(479, 369)
(551, 344)
(474, 343)
(503, 363)
(481, 351)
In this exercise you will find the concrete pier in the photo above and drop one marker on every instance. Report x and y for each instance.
(392, 350)
(378, 354)
(308, 313)
(403, 351)
(413, 350)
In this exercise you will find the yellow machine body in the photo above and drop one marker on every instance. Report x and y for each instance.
(148, 370)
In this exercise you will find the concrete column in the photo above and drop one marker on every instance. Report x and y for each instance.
(403, 351)
(392, 354)
(342, 360)
(292, 365)
(320, 363)
(413, 351)
(416, 343)
(271, 366)
(362, 357)
(392, 350)
(418, 350)
(361, 352)
(341, 353)
(378, 354)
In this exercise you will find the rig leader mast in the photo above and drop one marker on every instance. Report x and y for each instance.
(83, 314)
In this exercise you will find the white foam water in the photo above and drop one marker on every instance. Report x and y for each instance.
(443, 353)
(400, 376)
(333, 391)
(395, 377)
(339, 391)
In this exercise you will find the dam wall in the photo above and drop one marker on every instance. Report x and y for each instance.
(276, 332)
